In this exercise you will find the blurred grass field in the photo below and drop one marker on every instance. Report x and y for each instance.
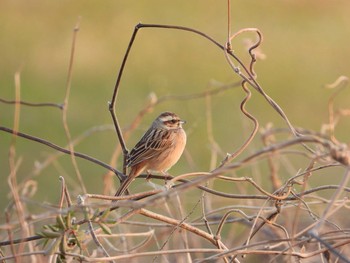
(306, 44)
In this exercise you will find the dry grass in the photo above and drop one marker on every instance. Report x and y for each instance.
(209, 216)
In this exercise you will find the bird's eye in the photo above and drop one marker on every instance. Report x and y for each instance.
(173, 121)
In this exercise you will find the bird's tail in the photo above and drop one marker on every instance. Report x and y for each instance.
(124, 185)
(134, 172)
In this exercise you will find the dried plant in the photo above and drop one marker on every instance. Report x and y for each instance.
(191, 219)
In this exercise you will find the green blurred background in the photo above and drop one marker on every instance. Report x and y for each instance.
(306, 44)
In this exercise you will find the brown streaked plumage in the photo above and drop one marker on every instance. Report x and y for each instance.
(158, 150)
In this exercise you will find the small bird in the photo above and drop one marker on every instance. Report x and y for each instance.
(158, 150)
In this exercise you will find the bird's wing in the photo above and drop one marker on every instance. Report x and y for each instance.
(152, 143)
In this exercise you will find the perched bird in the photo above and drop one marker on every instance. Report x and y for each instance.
(158, 150)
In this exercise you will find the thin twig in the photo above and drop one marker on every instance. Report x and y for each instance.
(31, 104)
(179, 223)
(12, 179)
(58, 148)
(65, 108)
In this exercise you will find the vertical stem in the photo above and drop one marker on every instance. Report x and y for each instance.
(65, 109)
(114, 97)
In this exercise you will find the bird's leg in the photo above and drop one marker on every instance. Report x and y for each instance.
(167, 176)
(148, 178)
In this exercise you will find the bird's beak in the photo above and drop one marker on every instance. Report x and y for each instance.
(182, 121)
